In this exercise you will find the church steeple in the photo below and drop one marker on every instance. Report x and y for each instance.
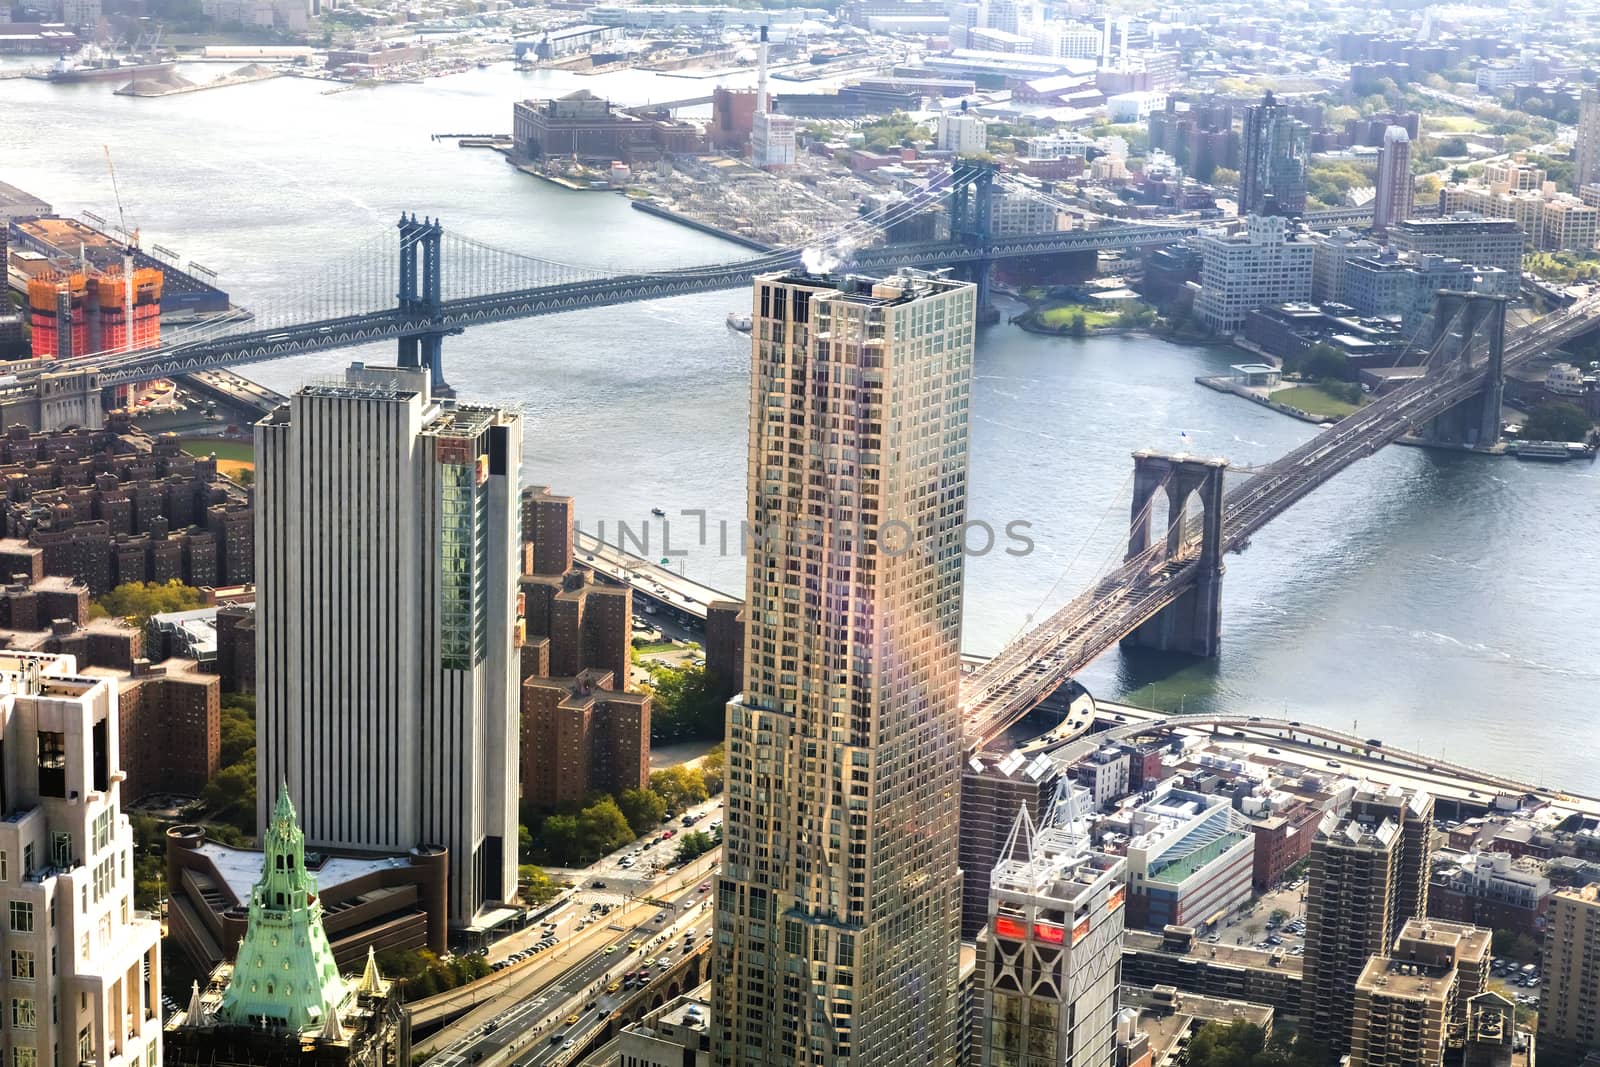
(284, 977)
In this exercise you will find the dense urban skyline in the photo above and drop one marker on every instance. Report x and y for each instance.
(336, 733)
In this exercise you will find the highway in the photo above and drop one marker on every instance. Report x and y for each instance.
(1328, 752)
(655, 584)
(529, 1022)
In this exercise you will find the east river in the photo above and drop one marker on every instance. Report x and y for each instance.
(1439, 601)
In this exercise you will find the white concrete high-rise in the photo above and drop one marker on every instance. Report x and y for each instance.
(1054, 945)
(84, 977)
(838, 907)
(962, 133)
(386, 534)
(1586, 152)
(1393, 203)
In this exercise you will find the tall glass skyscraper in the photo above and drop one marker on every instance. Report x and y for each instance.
(838, 908)
(1272, 160)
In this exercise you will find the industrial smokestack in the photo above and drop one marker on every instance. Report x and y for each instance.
(1105, 45)
(761, 78)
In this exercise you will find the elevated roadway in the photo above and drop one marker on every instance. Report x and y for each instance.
(1326, 750)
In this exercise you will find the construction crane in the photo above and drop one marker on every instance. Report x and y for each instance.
(132, 237)
(122, 218)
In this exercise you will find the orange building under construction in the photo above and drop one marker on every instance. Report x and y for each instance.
(77, 313)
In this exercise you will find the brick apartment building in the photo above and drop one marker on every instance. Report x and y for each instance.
(236, 647)
(107, 507)
(572, 623)
(171, 728)
(579, 735)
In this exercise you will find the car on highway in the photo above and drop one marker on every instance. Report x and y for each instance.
(572, 1020)
(664, 961)
(705, 887)
(597, 884)
(610, 949)
(613, 987)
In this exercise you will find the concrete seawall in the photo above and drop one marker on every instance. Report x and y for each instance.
(704, 227)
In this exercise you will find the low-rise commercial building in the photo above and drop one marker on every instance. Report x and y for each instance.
(589, 127)
(369, 901)
(1105, 775)
(1190, 859)
(1492, 890)
(1177, 957)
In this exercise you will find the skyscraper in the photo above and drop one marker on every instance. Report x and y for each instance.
(1586, 151)
(386, 539)
(1054, 944)
(1272, 161)
(1369, 874)
(1393, 202)
(838, 907)
(66, 857)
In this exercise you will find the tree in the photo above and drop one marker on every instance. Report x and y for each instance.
(1244, 1044)
(684, 705)
(603, 828)
(137, 601)
(230, 797)
(643, 808)
(680, 787)
(692, 844)
(1077, 327)
(238, 734)
(712, 766)
(536, 886)
(1225, 176)
(1557, 420)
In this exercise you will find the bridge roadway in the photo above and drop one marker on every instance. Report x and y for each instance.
(250, 346)
(1002, 691)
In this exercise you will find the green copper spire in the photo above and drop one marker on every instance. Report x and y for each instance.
(284, 976)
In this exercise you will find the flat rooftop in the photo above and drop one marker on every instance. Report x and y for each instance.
(240, 867)
(1228, 955)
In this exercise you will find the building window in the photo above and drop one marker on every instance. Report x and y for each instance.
(24, 1057)
(21, 917)
(61, 850)
(22, 1014)
(85, 1044)
(52, 764)
(22, 964)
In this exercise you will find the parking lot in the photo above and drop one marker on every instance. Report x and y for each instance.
(1254, 928)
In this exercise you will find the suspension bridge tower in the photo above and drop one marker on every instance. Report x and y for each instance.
(421, 297)
(1460, 321)
(972, 224)
(1193, 622)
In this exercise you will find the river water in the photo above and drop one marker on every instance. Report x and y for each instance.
(1439, 601)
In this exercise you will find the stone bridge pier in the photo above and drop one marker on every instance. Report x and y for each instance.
(1193, 623)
